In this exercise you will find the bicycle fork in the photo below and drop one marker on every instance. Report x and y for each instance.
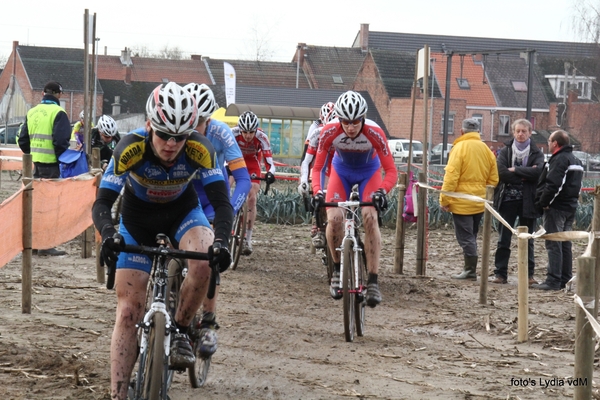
(156, 307)
(350, 232)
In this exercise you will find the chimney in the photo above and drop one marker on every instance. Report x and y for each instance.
(116, 106)
(196, 57)
(301, 54)
(364, 37)
(128, 75)
(126, 57)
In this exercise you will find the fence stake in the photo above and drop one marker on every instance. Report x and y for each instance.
(422, 227)
(596, 246)
(485, 251)
(584, 334)
(523, 286)
(400, 225)
(27, 235)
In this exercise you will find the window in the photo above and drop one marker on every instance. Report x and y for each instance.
(479, 118)
(337, 79)
(463, 83)
(504, 128)
(450, 125)
(519, 86)
(561, 88)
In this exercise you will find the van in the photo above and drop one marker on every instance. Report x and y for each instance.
(436, 153)
(400, 150)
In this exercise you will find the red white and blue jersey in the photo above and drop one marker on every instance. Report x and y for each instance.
(367, 151)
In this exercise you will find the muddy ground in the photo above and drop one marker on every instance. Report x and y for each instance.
(282, 336)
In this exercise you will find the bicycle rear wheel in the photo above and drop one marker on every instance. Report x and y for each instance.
(348, 286)
(199, 373)
(237, 235)
(328, 261)
(152, 362)
(360, 297)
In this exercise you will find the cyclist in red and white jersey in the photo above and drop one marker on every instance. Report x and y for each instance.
(357, 150)
(326, 114)
(254, 144)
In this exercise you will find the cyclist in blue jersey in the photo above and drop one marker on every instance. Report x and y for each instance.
(227, 150)
(155, 166)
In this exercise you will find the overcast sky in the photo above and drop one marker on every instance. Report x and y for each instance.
(226, 30)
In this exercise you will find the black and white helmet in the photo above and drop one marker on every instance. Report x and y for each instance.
(351, 105)
(107, 125)
(205, 99)
(82, 115)
(172, 109)
(326, 109)
(248, 122)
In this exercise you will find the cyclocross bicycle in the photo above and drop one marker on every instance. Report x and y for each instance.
(238, 229)
(153, 377)
(353, 264)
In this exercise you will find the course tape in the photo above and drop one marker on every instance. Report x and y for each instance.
(540, 234)
(589, 316)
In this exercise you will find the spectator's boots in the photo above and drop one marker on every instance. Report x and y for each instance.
(469, 269)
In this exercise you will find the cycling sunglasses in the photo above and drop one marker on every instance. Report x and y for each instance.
(167, 136)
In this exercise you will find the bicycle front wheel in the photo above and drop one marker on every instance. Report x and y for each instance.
(361, 267)
(348, 285)
(152, 362)
(237, 235)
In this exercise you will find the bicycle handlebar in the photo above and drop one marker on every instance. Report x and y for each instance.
(261, 178)
(174, 253)
(349, 203)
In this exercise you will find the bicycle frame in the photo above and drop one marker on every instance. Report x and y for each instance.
(153, 376)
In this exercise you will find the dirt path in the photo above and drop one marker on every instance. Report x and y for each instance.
(281, 334)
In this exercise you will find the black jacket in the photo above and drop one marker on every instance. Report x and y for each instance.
(561, 180)
(527, 175)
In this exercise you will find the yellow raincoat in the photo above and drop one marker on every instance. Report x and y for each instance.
(471, 166)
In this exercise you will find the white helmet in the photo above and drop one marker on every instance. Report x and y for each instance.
(172, 109)
(107, 125)
(81, 114)
(325, 111)
(248, 122)
(350, 105)
(205, 99)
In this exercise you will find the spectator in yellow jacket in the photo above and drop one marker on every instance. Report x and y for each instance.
(471, 167)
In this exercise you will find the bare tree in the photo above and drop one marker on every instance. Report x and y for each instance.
(166, 52)
(170, 53)
(258, 44)
(3, 60)
(586, 20)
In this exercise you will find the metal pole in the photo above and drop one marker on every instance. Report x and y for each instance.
(95, 80)
(530, 81)
(447, 106)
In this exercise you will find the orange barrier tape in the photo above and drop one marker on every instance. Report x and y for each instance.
(62, 209)
(11, 226)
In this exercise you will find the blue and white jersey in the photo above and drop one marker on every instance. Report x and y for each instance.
(134, 163)
(220, 136)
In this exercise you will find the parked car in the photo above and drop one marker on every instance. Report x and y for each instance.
(436, 153)
(594, 162)
(583, 156)
(11, 138)
(400, 149)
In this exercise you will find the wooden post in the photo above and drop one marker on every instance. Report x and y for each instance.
(400, 236)
(26, 269)
(523, 286)
(90, 236)
(485, 251)
(584, 333)
(596, 247)
(421, 227)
